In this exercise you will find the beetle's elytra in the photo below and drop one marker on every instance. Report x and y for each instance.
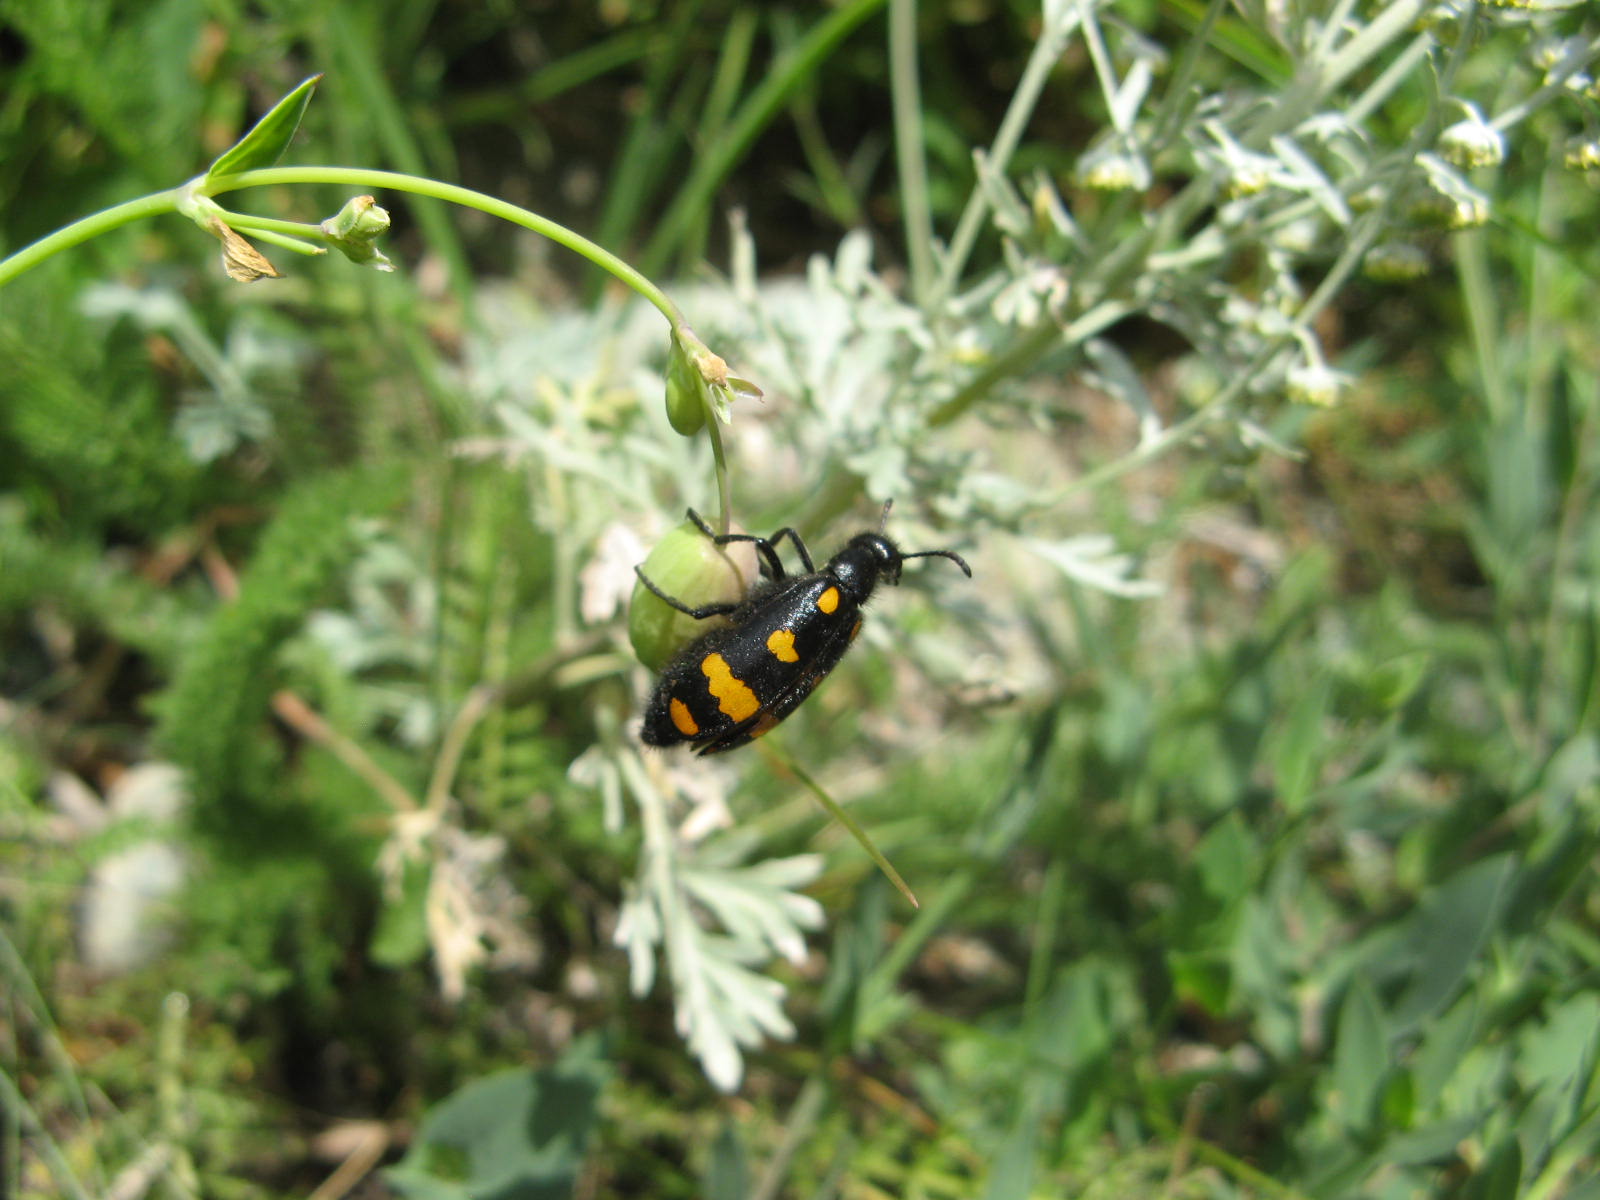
(736, 683)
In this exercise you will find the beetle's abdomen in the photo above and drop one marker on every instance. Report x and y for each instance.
(735, 684)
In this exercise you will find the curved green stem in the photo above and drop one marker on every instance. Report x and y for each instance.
(285, 233)
(89, 227)
(395, 181)
(169, 201)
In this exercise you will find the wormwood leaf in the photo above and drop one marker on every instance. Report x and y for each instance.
(269, 138)
(1091, 559)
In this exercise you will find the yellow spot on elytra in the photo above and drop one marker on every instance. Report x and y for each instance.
(829, 600)
(781, 643)
(734, 698)
(682, 718)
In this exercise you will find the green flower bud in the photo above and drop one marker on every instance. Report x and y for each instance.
(1395, 262)
(1582, 154)
(1107, 169)
(1317, 385)
(1442, 210)
(1472, 142)
(698, 383)
(687, 566)
(1367, 198)
(354, 228)
(1441, 20)
(686, 404)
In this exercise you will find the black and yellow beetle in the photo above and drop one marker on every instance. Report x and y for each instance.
(736, 683)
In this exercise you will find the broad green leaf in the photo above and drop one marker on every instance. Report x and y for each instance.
(1432, 1143)
(516, 1133)
(858, 946)
(1203, 979)
(1360, 1056)
(1391, 683)
(1013, 1172)
(401, 936)
(1447, 933)
(1397, 1109)
(1558, 1063)
(269, 138)
(1444, 1042)
(1584, 691)
(1297, 751)
(1500, 1175)
(1075, 1017)
(728, 1173)
(1228, 858)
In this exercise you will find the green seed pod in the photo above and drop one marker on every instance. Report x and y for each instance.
(686, 406)
(687, 566)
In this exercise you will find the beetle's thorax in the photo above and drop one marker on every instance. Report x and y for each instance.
(869, 559)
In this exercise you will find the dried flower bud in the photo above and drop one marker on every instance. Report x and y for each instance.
(1300, 237)
(1050, 211)
(242, 261)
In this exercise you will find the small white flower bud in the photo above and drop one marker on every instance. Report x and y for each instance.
(1472, 143)
(1394, 262)
(1582, 154)
(1111, 169)
(1317, 384)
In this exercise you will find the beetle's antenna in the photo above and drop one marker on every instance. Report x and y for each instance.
(950, 554)
(883, 521)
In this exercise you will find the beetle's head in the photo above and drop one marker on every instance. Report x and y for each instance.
(871, 559)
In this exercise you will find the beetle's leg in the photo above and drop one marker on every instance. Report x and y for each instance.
(699, 614)
(799, 547)
(764, 547)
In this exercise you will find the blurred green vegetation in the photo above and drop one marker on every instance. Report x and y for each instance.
(1275, 881)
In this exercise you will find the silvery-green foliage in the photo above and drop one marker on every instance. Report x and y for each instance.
(257, 361)
(372, 637)
(1272, 192)
(1271, 196)
(682, 897)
